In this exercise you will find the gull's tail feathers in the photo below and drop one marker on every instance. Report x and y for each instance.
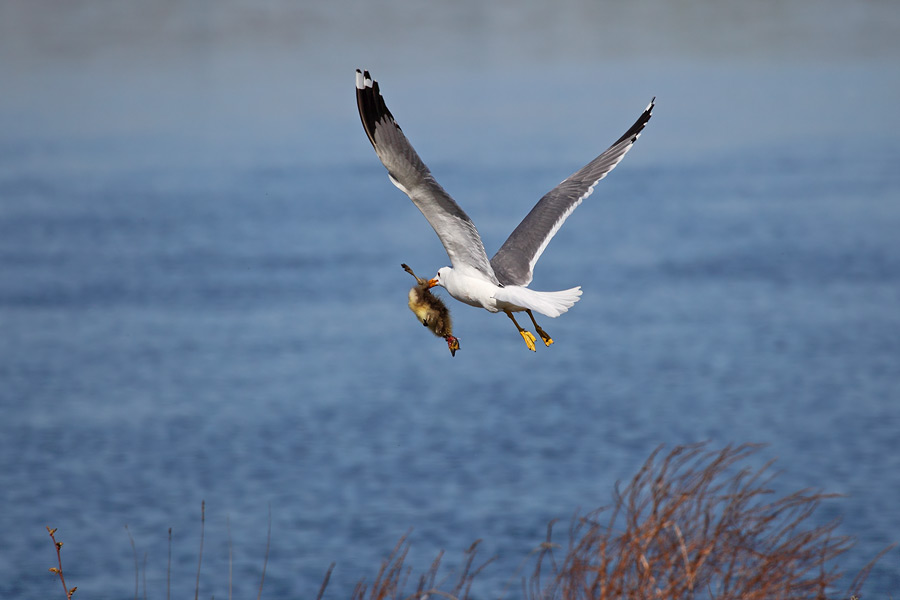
(551, 304)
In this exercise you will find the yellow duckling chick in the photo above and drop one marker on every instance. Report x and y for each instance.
(431, 311)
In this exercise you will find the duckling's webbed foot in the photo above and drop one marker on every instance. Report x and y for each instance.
(410, 271)
(452, 343)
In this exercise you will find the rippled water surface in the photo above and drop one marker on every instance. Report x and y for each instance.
(201, 295)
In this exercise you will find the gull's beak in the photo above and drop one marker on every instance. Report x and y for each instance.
(431, 283)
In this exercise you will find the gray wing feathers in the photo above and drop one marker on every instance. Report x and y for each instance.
(407, 171)
(514, 262)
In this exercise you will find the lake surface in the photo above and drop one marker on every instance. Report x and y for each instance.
(201, 295)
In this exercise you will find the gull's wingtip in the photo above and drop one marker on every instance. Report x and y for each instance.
(363, 79)
(649, 106)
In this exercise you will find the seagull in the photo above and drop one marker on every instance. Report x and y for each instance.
(501, 283)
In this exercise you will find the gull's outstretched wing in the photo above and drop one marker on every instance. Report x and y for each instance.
(407, 171)
(514, 262)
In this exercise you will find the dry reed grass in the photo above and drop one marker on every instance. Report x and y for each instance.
(691, 524)
(392, 578)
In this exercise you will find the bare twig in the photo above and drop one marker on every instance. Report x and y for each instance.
(325, 582)
(228, 525)
(59, 570)
(200, 553)
(137, 571)
(860, 578)
(169, 568)
(262, 579)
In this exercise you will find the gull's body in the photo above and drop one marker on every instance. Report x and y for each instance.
(501, 283)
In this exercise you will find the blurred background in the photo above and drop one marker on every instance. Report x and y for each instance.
(201, 295)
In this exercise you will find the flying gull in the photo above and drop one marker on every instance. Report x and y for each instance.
(501, 283)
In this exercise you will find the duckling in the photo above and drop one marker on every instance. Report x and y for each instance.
(431, 311)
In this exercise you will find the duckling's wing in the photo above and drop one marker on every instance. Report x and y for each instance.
(514, 262)
(407, 171)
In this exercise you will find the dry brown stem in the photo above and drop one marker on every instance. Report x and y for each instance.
(392, 577)
(59, 570)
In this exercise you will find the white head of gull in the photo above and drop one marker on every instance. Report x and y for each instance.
(501, 283)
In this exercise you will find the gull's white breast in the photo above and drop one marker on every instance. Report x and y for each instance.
(474, 291)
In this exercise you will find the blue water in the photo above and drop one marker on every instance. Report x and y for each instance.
(201, 295)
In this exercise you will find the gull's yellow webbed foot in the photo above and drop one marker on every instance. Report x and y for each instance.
(545, 337)
(526, 335)
(529, 339)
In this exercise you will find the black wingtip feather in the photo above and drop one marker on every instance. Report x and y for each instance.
(639, 125)
(371, 105)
